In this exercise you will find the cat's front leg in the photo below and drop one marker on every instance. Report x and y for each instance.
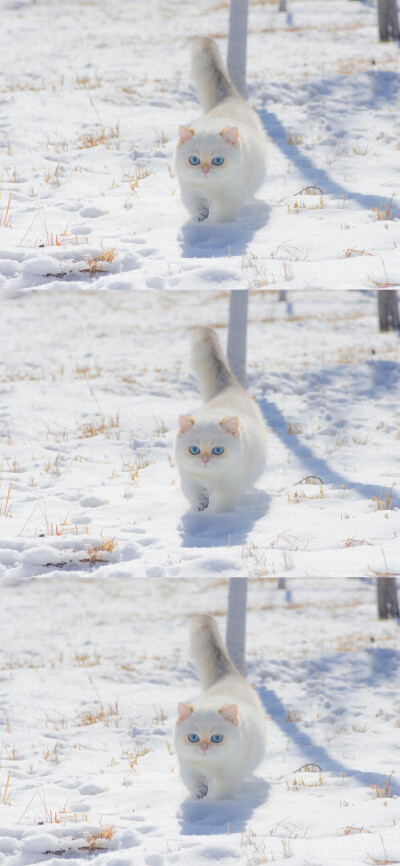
(195, 781)
(196, 204)
(224, 210)
(223, 500)
(224, 787)
(201, 789)
(197, 496)
(200, 211)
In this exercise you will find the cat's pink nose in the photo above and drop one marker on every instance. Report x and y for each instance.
(204, 747)
(205, 170)
(205, 460)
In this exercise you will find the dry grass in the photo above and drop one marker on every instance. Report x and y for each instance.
(84, 660)
(50, 817)
(294, 428)
(383, 212)
(133, 757)
(301, 494)
(95, 262)
(352, 253)
(351, 829)
(51, 754)
(134, 179)
(5, 508)
(354, 542)
(106, 713)
(52, 467)
(106, 426)
(294, 716)
(301, 205)
(52, 177)
(136, 467)
(108, 137)
(84, 82)
(5, 218)
(255, 562)
(294, 138)
(4, 792)
(160, 718)
(95, 554)
(383, 503)
(383, 789)
(161, 139)
(93, 839)
(300, 783)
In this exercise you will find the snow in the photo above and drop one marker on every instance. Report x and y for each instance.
(92, 386)
(91, 672)
(92, 95)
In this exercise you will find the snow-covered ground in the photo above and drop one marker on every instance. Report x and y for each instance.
(91, 388)
(91, 672)
(91, 97)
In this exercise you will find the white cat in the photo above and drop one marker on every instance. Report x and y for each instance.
(221, 449)
(221, 160)
(220, 736)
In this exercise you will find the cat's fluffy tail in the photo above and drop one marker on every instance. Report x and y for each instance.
(208, 652)
(209, 364)
(209, 74)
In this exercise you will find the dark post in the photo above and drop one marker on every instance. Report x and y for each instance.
(388, 20)
(388, 604)
(388, 310)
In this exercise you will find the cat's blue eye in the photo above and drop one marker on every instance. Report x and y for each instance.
(218, 160)
(194, 738)
(218, 450)
(194, 160)
(217, 738)
(194, 449)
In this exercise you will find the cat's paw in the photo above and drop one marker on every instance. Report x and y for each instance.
(202, 504)
(201, 792)
(202, 213)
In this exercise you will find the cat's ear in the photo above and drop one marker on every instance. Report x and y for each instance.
(184, 711)
(231, 135)
(230, 425)
(185, 134)
(230, 713)
(185, 423)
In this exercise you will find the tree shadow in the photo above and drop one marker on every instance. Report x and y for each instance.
(314, 175)
(318, 465)
(231, 528)
(213, 817)
(213, 240)
(384, 666)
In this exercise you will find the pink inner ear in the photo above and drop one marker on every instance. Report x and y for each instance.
(230, 713)
(185, 423)
(230, 134)
(184, 711)
(230, 425)
(185, 134)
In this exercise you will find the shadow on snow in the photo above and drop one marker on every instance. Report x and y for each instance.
(312, 174)
(212, 817)
(203, 529)
(213, 240)
(318, 465)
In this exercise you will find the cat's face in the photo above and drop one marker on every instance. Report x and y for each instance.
(207, 735)
(205, 158)
(207, 447)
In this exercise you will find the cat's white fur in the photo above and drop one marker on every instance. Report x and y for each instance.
(227, 706)
(229, 129)
(229, 418)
